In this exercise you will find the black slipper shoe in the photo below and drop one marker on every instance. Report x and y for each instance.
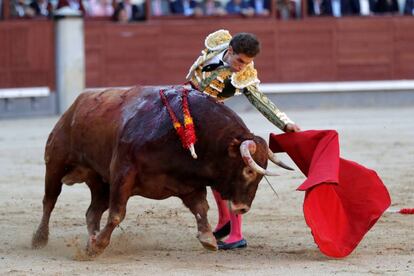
(232, 245)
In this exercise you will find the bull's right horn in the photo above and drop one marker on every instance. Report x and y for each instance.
(246, 148)
(274, 159)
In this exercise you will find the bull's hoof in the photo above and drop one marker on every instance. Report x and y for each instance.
(208, 240)
(40, 239)
(92, 249)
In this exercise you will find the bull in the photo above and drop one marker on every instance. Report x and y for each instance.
(121, 143)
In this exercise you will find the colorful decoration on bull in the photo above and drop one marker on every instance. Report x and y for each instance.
(186, 133)
(189, 132)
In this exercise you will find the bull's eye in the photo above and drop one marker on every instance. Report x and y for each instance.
(249, 174)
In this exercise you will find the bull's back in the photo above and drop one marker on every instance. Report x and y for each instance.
(91, 126)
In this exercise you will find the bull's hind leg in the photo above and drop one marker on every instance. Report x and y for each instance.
(121, 190)
(99, 203)
(198, 205)
(53, 187)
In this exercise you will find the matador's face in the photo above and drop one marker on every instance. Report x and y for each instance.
(236, 61)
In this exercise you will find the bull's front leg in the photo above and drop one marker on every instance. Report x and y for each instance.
(198, 205)
(120, 192)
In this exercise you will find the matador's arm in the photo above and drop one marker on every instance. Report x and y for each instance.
(266, 107)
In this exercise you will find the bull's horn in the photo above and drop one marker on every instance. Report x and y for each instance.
(250, 146)
(274, 159)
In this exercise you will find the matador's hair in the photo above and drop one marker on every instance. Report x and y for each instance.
(245, 43)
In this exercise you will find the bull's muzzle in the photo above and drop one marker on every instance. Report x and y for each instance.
(238, 208)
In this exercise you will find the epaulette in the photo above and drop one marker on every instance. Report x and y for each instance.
(246, 77)
(219, 40)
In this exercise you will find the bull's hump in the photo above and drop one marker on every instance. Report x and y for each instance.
(114, 99)
(103, 105)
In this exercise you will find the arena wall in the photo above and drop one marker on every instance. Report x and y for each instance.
(160, 51)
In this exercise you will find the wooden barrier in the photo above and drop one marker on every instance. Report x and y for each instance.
(313, 49)
(161, 51)
(27, 53)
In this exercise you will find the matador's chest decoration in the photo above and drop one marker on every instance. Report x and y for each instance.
(215, 83)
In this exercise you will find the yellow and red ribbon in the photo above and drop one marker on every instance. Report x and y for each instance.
(187, 132)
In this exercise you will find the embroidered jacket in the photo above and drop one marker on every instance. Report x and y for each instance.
(222, 83)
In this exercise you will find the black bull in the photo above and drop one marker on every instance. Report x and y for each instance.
(121, 142)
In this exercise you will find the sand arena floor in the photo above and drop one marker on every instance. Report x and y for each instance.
(158, 237)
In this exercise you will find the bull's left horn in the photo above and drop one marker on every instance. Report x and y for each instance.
(274, 159)
(250, 146)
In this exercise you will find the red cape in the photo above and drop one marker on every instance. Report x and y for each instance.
(343, 199)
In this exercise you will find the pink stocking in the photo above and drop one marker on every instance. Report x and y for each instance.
(236, 229)
(223, 210)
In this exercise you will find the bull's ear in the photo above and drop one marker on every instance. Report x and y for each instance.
(234, 148)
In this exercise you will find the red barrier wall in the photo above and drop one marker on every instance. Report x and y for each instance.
(314, 49)
(161, 51)
(27, 53)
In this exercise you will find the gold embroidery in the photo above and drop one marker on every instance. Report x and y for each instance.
(266, 107)
(246, 77)
(215, 43)
(211, 91)
(218, 85)
(218, 40)
(224, 75)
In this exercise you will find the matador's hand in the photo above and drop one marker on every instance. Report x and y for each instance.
(292, 128)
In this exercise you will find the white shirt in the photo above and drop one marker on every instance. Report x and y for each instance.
(364, 7)
(316, 7)
(74, 4)
(43, 9)
(336, 8)
(187, 10)
(217, 59)
(128, 9)
(258, 5)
